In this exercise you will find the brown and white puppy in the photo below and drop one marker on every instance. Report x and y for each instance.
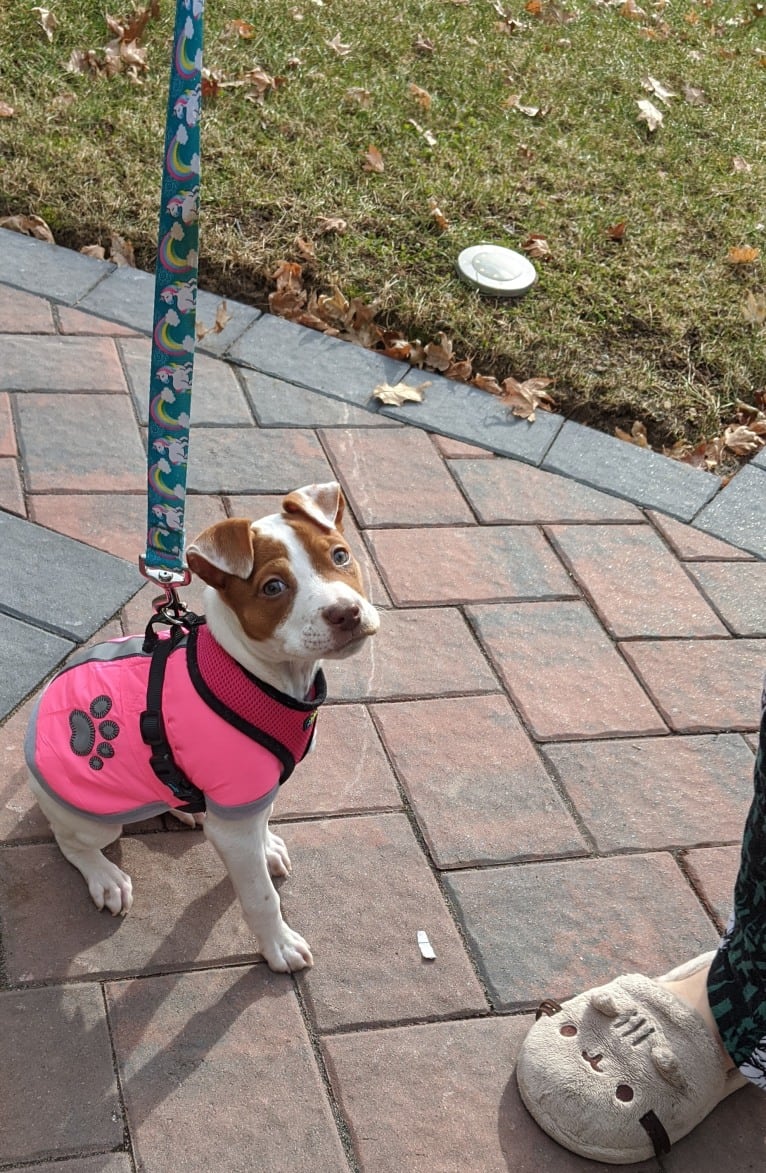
(283, 593)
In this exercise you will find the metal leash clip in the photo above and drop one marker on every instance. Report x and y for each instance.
(168, 608)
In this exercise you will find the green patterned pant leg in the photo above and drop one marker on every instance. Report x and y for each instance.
(737, 980)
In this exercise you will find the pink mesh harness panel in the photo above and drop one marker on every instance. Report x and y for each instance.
(233, 736)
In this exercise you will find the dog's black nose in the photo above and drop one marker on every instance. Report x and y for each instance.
(345, 616)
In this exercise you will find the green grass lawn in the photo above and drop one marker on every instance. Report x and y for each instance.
(650, 328)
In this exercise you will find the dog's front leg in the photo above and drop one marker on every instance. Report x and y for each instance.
(242, 845)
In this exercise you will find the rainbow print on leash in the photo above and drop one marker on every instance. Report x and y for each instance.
(175, 295)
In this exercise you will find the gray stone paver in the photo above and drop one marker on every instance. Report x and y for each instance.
(497, 774)
(644, 477)
(737, 513)
(465, 413)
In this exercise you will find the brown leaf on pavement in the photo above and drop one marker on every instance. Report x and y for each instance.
(222, 317)
(97, 251)
(28, 226)
(523, 399)
(487, 383)
(401, 393)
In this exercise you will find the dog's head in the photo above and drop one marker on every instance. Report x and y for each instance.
(289, 579)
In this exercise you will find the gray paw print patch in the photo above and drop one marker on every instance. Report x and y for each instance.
(84, 732)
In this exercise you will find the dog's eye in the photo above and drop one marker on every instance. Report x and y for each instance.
(340, 556)
(273, 587)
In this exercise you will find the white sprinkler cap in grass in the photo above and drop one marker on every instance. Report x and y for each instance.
(495, 270)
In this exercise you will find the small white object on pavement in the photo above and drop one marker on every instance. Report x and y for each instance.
(425, 946)
(495, 270)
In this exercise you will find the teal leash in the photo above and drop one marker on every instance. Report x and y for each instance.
(175, 306)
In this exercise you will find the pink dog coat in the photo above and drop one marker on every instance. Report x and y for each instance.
(232, 735)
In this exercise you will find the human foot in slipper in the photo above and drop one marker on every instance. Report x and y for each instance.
(622, 1071)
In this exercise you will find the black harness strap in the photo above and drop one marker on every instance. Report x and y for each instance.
(153, 727)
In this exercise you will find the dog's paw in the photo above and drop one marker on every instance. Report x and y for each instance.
(276, 856)
(287, 952)
(110, 887)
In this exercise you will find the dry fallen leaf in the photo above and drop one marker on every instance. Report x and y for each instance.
(240, 28)
(741, 165)
(373, 160)
(523, 399)
(29, 226)
(742, 440)
(649, 114)
(537, 247)
(359, 95)
(327, 224)
(429, 137)
(401, 393)
(222, 317)
(513, 102)
(131, 28)
(439, 354)
(261, 83)
(6, 111)
(695, 96)
(636, 435)
(423, 45)
(617, 231)
(461, 371)
(422, 97)
(121, 252)
(658, 89)
(48, 21)
(487, 383)
(438, 215)
(338, 46)
(754, 308)
(743, 256)
(631, 10)
(97, 251)
(305, 248)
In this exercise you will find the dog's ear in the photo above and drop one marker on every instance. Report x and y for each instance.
(322, 504)
(222, 550)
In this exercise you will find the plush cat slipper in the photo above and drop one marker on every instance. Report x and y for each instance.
(622, 1071)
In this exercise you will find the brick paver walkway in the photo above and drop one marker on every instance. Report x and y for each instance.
(544, 761)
